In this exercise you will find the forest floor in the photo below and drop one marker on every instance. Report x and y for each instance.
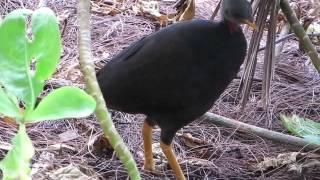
(223, 153)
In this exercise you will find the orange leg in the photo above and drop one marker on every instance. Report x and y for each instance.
(167, 150)
(147, 144)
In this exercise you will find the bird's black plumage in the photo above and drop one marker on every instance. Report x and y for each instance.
(174, 75)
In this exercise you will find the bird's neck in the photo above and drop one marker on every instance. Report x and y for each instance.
(232, 27)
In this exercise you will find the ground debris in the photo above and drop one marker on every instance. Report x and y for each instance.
(294, 162)
(69, 172)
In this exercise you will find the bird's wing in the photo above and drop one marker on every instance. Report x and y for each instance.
(130, 51)
(158, 69)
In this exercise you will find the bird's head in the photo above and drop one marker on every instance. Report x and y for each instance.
(238, 12)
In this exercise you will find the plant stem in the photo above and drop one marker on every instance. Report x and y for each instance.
(87, 67)
(269, 55)
(251, 59)
(301, 34)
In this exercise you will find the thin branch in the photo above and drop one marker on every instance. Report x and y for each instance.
(278, 49)
(216, 10)
(251, 60)
(87, 67)
(269, 56)
(285, 37)
(281, 39)
(265, 133)
(301, 34)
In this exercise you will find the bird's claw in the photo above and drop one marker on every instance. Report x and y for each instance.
(152, 168)
(149, 167)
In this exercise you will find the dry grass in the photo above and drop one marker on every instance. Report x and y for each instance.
(225, 155)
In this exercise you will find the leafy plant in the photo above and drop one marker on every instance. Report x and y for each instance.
(27, 60)
(302, 127)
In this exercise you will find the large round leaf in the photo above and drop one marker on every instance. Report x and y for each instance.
(17, 52)
(65, 102)
(46, 45)
(7, 106)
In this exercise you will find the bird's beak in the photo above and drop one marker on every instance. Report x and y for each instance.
(250, 23)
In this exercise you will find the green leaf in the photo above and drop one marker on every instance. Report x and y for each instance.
(7, 106)
(65, 102)
(16, 164)
(301, 126)
(13, 53)
(18, 51)
(46, 45)
(313, 138)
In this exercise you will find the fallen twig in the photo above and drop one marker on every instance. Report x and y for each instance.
(265, 133)
(281, 39)
(216, 10)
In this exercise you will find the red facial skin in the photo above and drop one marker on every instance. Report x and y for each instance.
(232, 27)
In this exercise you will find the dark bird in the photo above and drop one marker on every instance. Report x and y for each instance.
(175, 75)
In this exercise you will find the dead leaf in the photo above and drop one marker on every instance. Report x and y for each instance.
(86, 127)
(60, 147)
(99, 143)
(102, 7)
(198, 162)
(69, 172)
(68, 135)
(43, 164)
(150, 8)
(191, 141)
(147, 7)
(46, 157)
(281, 18)
(280, 160)
(185, 10)
(309, 167)
(74, 74)
(9, 121)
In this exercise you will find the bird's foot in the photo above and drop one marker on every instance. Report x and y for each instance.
(152, 168)
(149, 166)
